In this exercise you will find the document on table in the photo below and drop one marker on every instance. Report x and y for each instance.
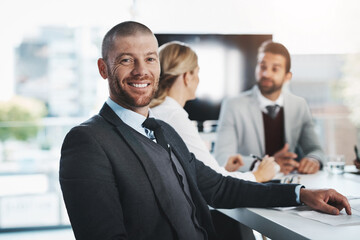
(355, 204)
(334, 220)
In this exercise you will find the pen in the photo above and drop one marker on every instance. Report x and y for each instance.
(255, 161)
(357, 154)
(256, 157)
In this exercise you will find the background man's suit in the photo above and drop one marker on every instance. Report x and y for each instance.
(241, 130)
(112, 190)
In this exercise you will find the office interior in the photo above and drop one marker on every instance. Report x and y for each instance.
(49, 74)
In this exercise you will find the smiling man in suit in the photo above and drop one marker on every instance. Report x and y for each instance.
(269, 121)
(119, 182)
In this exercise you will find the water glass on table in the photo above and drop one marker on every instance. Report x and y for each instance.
(335, 164)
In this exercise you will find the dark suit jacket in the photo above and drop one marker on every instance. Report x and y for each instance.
(112, 191)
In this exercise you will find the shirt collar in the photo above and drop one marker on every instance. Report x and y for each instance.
(129, 117)
(263, 101)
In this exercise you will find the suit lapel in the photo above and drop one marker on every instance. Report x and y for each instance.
(151, 171)
(256, 115)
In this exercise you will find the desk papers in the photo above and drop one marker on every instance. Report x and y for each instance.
(333, 220)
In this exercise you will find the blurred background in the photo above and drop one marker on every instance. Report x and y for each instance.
(49, 80)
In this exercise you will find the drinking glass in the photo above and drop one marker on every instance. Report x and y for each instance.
(335, 164)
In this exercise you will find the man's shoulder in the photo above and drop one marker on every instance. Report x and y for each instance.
(240, 101)
(94, 123)
(290, 97)
(243, 98)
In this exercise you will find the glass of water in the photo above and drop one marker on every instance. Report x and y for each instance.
(335, 164)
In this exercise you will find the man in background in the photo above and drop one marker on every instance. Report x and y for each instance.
(269, 121)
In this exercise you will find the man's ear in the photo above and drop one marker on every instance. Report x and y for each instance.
(102, 68)
(288, 76)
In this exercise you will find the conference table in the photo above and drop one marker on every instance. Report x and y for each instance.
(277, 224)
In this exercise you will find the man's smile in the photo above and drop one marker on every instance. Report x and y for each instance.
(139, 85)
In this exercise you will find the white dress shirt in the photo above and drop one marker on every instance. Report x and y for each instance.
(131, 118)
(171, 112)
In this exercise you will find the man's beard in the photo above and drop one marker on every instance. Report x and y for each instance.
(271, 89)
(124, 97)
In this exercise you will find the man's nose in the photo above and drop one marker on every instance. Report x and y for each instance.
(267, 73)
(140, 68)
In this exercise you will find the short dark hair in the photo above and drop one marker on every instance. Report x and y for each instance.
(123, 29)
(276, 48)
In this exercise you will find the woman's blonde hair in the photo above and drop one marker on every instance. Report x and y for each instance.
(176, 58)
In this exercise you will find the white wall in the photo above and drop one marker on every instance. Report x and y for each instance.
(305, 27)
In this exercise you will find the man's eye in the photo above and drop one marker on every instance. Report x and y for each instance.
(126, 61)
(151, 59)
(263, 68)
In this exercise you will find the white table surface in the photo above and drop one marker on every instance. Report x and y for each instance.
(277, 224)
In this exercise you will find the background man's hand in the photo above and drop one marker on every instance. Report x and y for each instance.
(357, 164)
(308, 165)
(286, 160)
(234, 163)
(325, 200)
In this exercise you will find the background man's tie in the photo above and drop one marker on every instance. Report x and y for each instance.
(272, 110)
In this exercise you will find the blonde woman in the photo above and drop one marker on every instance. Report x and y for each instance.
(178, 82)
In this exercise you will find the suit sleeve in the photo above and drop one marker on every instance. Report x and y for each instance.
(227, 139)
(228, 192)
(219, 191)
(89, 190)
(308, 140)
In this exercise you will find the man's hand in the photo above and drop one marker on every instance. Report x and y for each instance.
(286, 159)
(357, 164)
(234, 163)
(308, 165)
(325, 200)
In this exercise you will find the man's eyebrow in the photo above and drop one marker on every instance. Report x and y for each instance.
(274, 64)
(118, 58)
(151, 53)
(277, 65)
(262, 62)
